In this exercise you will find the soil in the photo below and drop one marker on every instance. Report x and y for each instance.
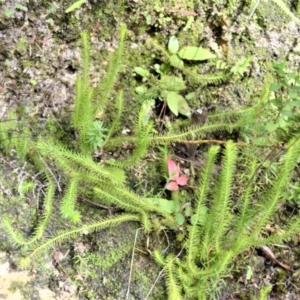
(39, 61)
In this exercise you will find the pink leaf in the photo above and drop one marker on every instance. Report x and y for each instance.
(173, 169)
(182, 180)
(172, 186)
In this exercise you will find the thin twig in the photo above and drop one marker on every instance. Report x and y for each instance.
(131, 264)
(50, 171)
(254, 8)
(96, 204)
(154, 283)
(167, 241)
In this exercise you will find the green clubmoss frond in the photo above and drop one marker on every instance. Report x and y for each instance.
(17, 237)
(245, 218)
(129, 206)
(103, 91)
(116, 118)
(70, 161)
(233, 116)
(191, 133)
(67, 234)
(194, 237)
(270, 200)
(85, 53)
(82, 117)
(159, 258)
(174, 289)
(67, 208)
(132, 202)
(286, 10)
(221, 207)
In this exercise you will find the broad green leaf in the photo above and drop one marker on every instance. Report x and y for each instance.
(176, 206)
(291, 75)
(166, 205)
(195, 53)
(281, 122)
(180, 219)
(293, 103)
(176, 62)
(271, 126)
(173, 45)
(276, 102)
(173, 99)
(260, 141)
(140, 89)
(275, 86)
(249, 273)
(190, 96)
(178, 104)
(183, 107)
(188, 211)
(287, 112)
(141, 71)
(260, 128)
(293, 94)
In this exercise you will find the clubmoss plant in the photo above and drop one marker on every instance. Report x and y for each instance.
(210, 237)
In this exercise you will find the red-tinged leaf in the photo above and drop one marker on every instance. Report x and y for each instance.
(182, 180)
(172, 186)
(173, 169)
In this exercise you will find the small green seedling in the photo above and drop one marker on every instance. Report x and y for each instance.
(96, 135)
(192, 53)
(170, 86)
(284, 103)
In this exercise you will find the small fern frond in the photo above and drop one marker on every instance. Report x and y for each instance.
(67, 234)
(206, 79)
